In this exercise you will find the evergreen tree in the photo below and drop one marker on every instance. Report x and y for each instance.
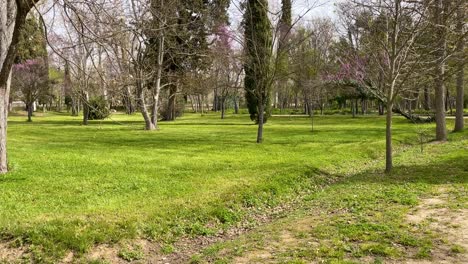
(258, 46)
(32, 42)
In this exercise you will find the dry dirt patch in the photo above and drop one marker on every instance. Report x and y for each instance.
(450, 225)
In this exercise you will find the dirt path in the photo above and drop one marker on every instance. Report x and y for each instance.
(451, 225)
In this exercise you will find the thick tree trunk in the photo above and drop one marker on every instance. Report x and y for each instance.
(4, 96)
(12, 18)
(459, 119)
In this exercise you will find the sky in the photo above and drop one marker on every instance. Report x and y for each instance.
(310, 8)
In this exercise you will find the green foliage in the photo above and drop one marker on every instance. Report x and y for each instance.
(131, 254)
(55, 75)
(32, 41)
(99, 109)
(258, 48)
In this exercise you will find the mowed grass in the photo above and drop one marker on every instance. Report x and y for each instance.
(370, 217)
(72, 186)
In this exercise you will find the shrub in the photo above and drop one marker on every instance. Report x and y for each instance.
(98, 108)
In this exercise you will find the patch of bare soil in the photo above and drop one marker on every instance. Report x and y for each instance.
(286, 240)
(451, 225)
(9, 254)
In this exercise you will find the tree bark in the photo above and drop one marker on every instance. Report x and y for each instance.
(30, 111)
(144, 111)
(171, 104)
(261, 114)
(85, 101)
(459, 119)
(236, 105)
(12, 18)
(388, 138)
(157, 88)
(223, 107)
(441, 129)
(427, 99)
(4, 96)
(127, 98)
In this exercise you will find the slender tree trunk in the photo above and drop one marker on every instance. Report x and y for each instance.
(427, 99)
(171, 104)
(157, 88)
(85, 101)
(261, 110)
(441, 128)
(223, 107)
(154, 110)
(236, 105)
(129, 109)
(144, 111)
(353, 108)
(459, 119)
(200, 98)
(75, 106)
(30, 111)
(388, 138)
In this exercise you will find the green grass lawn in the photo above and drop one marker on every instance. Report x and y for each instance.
(72, 186)
(417, 214)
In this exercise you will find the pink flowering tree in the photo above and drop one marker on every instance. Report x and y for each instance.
(30, 81)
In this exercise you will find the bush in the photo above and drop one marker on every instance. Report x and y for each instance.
(98, 108)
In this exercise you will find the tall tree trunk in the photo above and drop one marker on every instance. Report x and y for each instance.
(459, 119)
(157, 88)
(4, 96)
(12, 18)
(441, 128)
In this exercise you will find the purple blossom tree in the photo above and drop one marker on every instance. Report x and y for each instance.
(30, 81)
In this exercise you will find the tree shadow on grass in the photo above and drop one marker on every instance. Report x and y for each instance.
(445, 171)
